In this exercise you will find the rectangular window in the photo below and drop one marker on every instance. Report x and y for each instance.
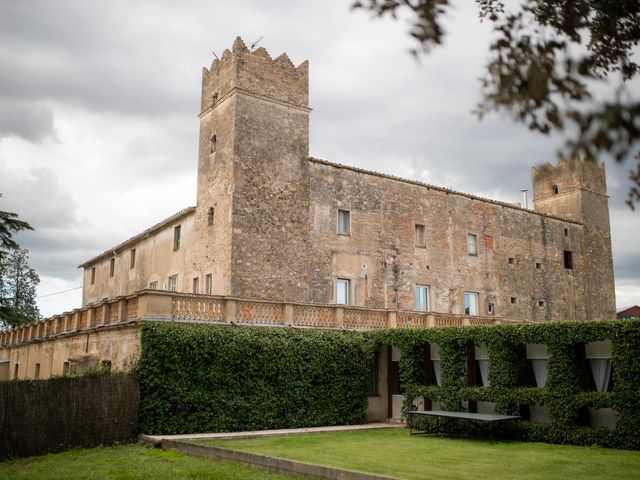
(568, 260)
(15, 370)
(153, 285)
(112, 267)
(343, 286)
(36, 373)
(420, 237)
(344, 222)
(65, 368)
(470, 303)
(472, 244)
(176, 237)
(422, 298)
(210, 216)
(93, 275)
(196, 285)
(173, 283)
(132, 263)
(208, 284)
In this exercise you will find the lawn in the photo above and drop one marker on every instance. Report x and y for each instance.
(394, 452)
(128, 462)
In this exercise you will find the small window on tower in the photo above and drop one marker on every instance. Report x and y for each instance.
(133, 258)
(472, 244)
(212, 143)
(555, 190)
(568, 260)
(210, 216)
(344, 222)
(93, 275)
(420, 238)
(112, 267)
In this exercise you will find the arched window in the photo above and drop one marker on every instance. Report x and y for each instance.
(555, 189)
(212, 143)
(210, 216)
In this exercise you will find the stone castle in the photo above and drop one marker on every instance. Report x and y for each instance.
(281, 238)
(273, 223)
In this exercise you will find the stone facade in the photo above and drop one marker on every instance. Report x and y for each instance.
(266, 222)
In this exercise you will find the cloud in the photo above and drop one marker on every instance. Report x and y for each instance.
(32, 121)
(99, 104)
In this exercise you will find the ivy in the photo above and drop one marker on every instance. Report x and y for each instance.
(564, 394)
(198, 378)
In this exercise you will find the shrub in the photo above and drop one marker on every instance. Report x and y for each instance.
(198, 378)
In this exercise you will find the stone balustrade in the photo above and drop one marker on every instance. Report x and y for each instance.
(149, 305)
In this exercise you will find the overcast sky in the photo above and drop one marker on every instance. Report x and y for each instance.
(99, 104)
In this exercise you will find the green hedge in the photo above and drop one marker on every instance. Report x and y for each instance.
(563, 394)
(199, 378)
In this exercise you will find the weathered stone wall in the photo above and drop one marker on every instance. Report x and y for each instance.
(119, 345)
(155, 261)
(577, 189)
(384, 212)
(274, 211)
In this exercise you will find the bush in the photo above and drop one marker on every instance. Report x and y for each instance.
(199, 378)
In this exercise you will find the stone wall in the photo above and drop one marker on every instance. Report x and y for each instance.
(265, 224)
(156, 260)
(85, 350)
(519, 266)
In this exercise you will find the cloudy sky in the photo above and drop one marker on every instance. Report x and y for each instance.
(98, 125)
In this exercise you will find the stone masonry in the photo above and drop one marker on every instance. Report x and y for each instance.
(266, 221)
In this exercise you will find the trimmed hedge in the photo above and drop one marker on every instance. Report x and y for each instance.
(199, 378)
(563, 394)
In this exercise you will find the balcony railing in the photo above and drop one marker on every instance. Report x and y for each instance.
(163, 305)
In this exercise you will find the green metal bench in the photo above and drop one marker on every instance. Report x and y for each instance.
(480, 418)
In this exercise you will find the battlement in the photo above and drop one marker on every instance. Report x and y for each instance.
(568, 176)
(255, 73)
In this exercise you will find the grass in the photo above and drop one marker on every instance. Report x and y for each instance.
(394, 452)
(128, 462)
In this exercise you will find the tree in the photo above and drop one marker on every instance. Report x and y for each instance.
(18, 282)
(548, 59)
(9, 224)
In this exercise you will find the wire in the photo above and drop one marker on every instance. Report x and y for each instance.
(61, 291)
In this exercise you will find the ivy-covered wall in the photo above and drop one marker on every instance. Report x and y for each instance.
(565, 393)
(206, 378)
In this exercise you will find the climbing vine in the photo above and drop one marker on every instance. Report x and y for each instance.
(564, 395)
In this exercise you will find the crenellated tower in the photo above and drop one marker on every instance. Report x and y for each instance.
(577, 189)
(252, 171)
